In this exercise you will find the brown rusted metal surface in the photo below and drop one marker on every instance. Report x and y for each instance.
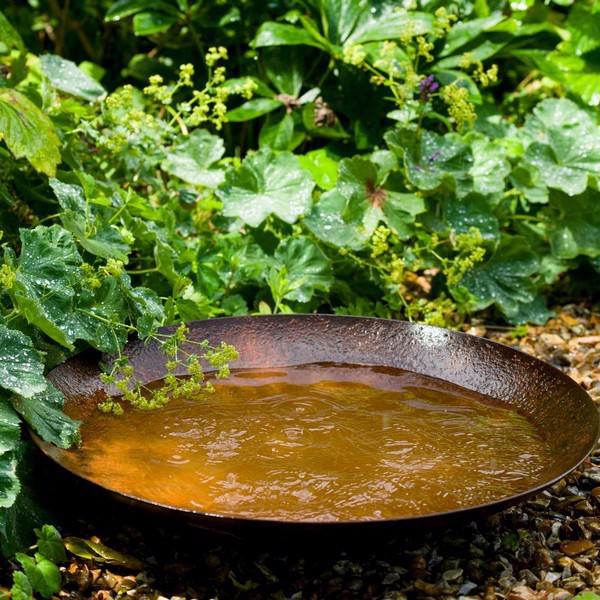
(556, 404)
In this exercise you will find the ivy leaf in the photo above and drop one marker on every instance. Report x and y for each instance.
(302, 268)
(327, 223)
(267, 183)
(10, 434)
(50, 544)
(565, 147)
(573, 224)
(28, 132)
(433, 160)
(67, 77)
(21, 365)
(43, 413)
(76, 216)
(505, 280)
(193, 159)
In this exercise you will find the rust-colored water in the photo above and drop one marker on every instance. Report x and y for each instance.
(317, 442)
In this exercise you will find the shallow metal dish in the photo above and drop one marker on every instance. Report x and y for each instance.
(559, 407)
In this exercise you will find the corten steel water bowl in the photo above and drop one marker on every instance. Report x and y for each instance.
(559, 407)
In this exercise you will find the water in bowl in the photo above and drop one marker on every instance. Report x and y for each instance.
(317, 442)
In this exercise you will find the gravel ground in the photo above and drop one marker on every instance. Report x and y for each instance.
(544, 549)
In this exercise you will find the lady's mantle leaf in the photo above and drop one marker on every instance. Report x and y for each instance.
(574, 224)
(267, 183)
(28, 132)
(21, 365)
(565, 145)
(67, 77)
(193, 160)
(505, 280)
(44, 413)
(50, 544)
(301, 269)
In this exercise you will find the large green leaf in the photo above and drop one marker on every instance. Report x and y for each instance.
(506, 281)
(472, 211)
(326, 221)
(574, 224)
(371, 199)
(379, 21)
(267, 183)
(584, 25)
(433, 160)
(193, 160)
(67, 77)
(464, 32)
(125, 8)
(28, 132)
(565, 145)
(21, 365)
(302, 268)
(279, 34)
(44, 414)
(46, 274)
(490, 166)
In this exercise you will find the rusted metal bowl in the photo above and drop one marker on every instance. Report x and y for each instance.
(559, 407)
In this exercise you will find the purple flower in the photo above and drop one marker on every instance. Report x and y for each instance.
(426, 87)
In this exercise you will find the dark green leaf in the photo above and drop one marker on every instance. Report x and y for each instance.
(9, 37)
(125, 8)
(278, 135)
(252, 109)
(278, 34)
(10, 433)
(151, 22)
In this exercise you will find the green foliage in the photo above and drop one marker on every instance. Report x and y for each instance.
(40, 574)
(349, 157)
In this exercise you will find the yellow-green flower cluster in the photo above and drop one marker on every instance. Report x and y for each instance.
(480, 74)
(424, 48)
(8, 277)
(470, 252)
(443, 22)
(354, 54)
(379, 241)
(460, 109)
(214, 55)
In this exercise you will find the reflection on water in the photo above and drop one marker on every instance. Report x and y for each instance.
(317, 442)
